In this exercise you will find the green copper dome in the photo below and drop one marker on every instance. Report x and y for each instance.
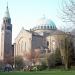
(45, 24)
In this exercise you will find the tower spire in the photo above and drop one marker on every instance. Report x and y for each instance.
(7, 12)
(7, 5)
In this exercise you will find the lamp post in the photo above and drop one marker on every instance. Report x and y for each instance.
(14, 54)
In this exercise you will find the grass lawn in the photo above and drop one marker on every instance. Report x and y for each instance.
(40, 73)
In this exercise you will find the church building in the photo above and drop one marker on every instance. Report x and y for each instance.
(32, 45)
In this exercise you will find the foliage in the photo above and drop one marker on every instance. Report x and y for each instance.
(1, 65)
(43, 66)
(68, 16)
(58, 60)
(51, 60)
(19, 62)
(54, 59)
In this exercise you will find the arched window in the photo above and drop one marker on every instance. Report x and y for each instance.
(41, 27)
(50, 27)
(25, 46)
(47, 43)
(47, 27)
(2, 28)
(22, 46)
(44, 27)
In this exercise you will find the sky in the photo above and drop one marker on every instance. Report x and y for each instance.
(25, 13)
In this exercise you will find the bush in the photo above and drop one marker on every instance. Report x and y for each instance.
(58, 60)
(1, 65)
(43, 66)
(54, 59)
(51, 60)
(19, 63)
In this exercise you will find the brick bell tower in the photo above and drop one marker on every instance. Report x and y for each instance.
(6, 37)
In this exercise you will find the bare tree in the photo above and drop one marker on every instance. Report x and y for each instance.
(65, 50)
(68, 13)
(68, 17)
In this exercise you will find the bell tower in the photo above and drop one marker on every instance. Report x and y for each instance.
(6, 37)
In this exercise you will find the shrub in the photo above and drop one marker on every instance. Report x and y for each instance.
(1, 65)
(19, 63)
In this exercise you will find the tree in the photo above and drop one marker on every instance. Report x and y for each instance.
(68, 13)
(54, 59)
(58, 60)
(51, 60)
(19, 62)
(65, 50)
(68, 16)
(1, 65)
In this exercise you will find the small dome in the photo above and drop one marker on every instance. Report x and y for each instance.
(44, 23)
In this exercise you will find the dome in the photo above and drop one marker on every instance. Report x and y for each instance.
(46, 24)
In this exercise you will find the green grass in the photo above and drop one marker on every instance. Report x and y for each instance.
(56, 72)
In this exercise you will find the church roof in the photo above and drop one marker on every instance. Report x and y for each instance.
(45, 23)
(58, 32)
